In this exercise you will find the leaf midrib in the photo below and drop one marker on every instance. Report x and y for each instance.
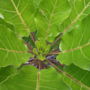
(38, 81)
(12, 51)
(77, 18)
(69, 76)
(51, 16)
(20, 16)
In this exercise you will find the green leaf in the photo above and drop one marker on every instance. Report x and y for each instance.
(12, 49)
(29, 15)
(6, 73)
(20, 13)
(29, 78)
(82, 76)
(50, 14)
(49, 18)
(76, 46)
(79, 10)
(3, 22)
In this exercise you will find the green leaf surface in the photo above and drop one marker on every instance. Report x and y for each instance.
(82, 76)
(79, 10)
(6, 73)
(50, 15)
(8, 25)
(76, 46)
(12, 49)
(48, 18)
(20, 13)
(28, 15)
(29, 78)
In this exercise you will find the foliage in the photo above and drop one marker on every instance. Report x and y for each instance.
(38, 29)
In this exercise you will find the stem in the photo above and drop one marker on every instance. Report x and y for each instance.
(54, 52)
(57, 39)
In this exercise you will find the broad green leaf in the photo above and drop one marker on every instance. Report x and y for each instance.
(78, 73)
(6, 73)
(12, 49)
(20, 13)
(48, 18)
(8, 25)
(29, 78)
(50, 14)
(76, 46)
(75, 77)
(79, 10)
(82, 77)
(74, 85)
(29, 15)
